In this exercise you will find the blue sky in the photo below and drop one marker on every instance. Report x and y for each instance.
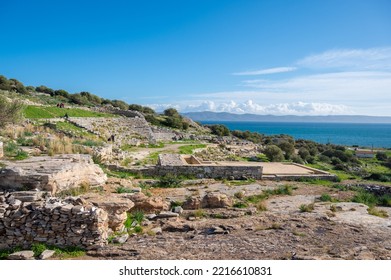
(265, 57)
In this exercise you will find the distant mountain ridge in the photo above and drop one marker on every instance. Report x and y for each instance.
(222, 116)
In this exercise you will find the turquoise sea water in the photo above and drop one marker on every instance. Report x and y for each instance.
(367, 135)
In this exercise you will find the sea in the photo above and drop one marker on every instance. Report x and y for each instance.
(347, 134)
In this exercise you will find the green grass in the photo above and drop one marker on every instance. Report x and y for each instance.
(188, 149)
(282, 190)
(169, 181)
(365, 198)
(385, 200)
(12, 150)
(44, 112)
(376, 212)
(257, 198)
(38, 248)
(122, 189)
(325, 197)
(240, 204)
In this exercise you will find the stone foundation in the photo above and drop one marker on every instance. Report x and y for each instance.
(62, 223)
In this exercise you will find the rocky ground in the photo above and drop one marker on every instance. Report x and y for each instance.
(342, 231)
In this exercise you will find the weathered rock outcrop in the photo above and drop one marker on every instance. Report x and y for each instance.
(148, 204)
(53, 174)
(216, 200)
(210, 200)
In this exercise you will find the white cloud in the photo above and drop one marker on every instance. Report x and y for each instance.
(351, 87)
(266, 71)
(352, 59)
(162, 107)
(251, 107)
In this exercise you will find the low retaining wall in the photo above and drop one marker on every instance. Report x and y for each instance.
(213, 171)
(201, 171)
(53, 222)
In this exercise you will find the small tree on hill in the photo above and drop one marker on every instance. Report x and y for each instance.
(274, 153)
(10, 112)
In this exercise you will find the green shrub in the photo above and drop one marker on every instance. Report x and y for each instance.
(325, 197)
(365, 198)
(138, 216)
(307, 207)
(10, 112)
(38, 248)
(176, 203)
(240, 204)
(122, 189)
(129, 221)
(385, 200)
(169, 181)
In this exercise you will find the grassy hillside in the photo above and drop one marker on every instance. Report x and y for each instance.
(43, 112)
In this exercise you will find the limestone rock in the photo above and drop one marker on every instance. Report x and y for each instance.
(192, 203)
(216, 200)
(177, 226)
(167, 214)
(178, 209)
(47, 254)
(53, 174)
(22, 255)
(157, 230)
(121, 238)
(148, 204)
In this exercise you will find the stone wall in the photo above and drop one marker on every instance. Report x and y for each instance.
(212, 171)
(200, 171)
(62, 223)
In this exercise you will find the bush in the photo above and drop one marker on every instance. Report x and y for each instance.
(381, 156)
(122, 189)
(365, 198)
(288, 148)
(219, 129)
(240, 204)
(325, 197)
(307, 207)
(10, 111)
(385, 200)
(274, 153)
(297, 159)
(169, 181)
